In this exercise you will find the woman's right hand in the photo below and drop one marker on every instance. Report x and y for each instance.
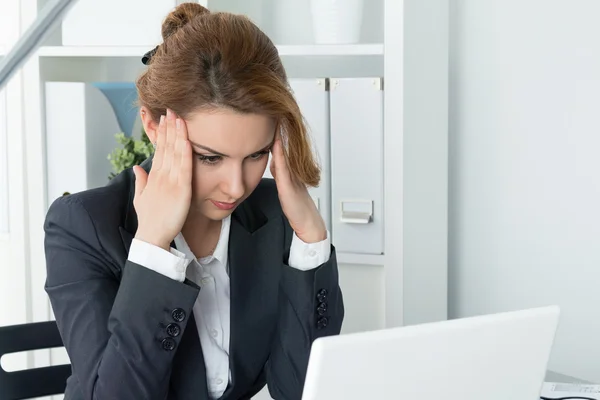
(162, 198)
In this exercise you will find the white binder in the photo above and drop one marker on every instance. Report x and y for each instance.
(80, 134)
(357, 164)
(313, 99)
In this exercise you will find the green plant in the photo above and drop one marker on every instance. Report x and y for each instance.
(131, 152)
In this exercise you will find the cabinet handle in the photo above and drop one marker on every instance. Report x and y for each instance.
(357, 211)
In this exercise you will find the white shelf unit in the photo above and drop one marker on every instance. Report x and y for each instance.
(407, 46)
(360, 259)
(15, 251)
(284, 50)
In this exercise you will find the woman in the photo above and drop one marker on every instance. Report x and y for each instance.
(190, 276)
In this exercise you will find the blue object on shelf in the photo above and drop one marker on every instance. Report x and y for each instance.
(122, 97)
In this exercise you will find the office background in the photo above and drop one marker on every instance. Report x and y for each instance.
(391, 289)
(524, 188)
(490, 154)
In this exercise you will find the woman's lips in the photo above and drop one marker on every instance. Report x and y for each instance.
(223, 206)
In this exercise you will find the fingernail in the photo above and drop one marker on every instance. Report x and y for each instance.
(162, 119)
(178, 123)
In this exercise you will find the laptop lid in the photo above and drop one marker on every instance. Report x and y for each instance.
(493, 357)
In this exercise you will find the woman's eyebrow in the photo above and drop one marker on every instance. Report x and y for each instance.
(208, 149)
(267, 147)
(218, 153)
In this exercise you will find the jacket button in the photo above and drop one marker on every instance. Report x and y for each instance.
(322, 309)
(168, 344)
(173, 330)
(322, 295)
(322, 323)
(178, 314)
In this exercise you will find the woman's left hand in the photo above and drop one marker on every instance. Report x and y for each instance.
(296, 203)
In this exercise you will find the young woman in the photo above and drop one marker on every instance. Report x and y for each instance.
(190, 276)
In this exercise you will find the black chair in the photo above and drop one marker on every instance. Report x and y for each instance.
(37, 382)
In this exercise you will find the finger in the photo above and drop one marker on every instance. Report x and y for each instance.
(281, 168)
(272, 166)
(177, 150)
(185, 172)
(141, 177)
(157, 161)
(171, 135)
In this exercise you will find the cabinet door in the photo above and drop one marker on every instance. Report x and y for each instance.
(357, 164)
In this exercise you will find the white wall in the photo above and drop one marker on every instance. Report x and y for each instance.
(525, 166)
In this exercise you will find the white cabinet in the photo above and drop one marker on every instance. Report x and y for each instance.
(357, 164)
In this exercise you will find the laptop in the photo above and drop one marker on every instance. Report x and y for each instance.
(493, 357)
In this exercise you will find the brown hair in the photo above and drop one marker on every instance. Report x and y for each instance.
(213, 60)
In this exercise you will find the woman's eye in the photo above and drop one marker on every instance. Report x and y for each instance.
(259, 155)
(210, 160)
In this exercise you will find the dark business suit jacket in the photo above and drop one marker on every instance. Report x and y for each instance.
(113, 314)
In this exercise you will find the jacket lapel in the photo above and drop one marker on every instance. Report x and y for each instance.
(251, 266)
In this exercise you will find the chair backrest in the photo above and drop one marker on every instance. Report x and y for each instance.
(36, 382)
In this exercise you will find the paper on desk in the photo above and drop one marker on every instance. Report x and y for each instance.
(557, 389)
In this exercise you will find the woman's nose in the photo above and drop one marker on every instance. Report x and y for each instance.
(234, 184)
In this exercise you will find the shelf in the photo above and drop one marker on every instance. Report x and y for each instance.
(138, 51)
(332, 50)
(362, 259)
(92, 51)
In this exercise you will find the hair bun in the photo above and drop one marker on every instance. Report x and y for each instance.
(180, 16)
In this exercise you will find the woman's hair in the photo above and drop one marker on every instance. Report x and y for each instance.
(221, 60)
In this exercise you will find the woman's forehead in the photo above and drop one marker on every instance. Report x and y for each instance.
(230, 132)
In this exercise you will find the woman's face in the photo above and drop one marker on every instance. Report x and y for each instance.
(230, 155)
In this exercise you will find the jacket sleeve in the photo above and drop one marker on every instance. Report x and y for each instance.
(310, 306)
(121, 337)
